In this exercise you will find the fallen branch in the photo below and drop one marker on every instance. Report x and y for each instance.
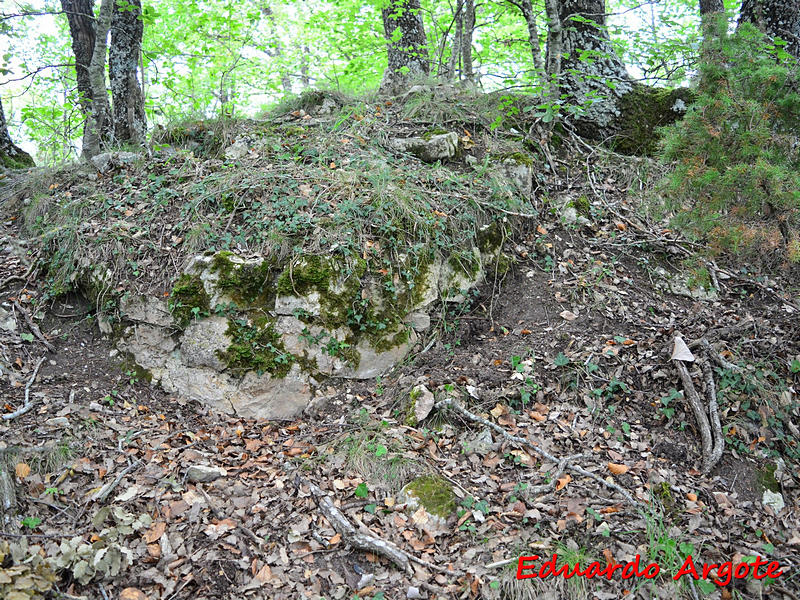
(34, 327)
(365, 541)
(104, 491)
(28, 404)
(23, 277)
(711, 440)
(450, 403)
(360, 541)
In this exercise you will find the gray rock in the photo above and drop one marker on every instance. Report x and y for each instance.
(7, 321)
(437, 147)
(291, 305)
(374, 363)
(519, 174)
(202, 340)
(146, 309)
(268, 397)
(107, 161)
(57, 422)
(204, 473)
(419, 321)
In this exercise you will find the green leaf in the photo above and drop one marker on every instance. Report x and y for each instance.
(26, 337)
(381, 450)
(31, 522)
(361, 490)
(561, 360)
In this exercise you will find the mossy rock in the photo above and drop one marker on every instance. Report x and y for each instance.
(188, 300)
(256, 346)
(644, 109)
(433, 493)
(250, 284)
(18, 159)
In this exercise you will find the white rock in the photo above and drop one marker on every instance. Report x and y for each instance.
(203, 340)
(146, 309)
(437, 147)
(774, 500)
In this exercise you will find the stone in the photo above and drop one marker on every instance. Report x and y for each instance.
(774, 500)
(418, 321)
(520, 174)
(150, 345)
(203, 340)
(437, 147)
(431, 501)
(105, 161)
(237, 150)
(374, 363)
(7, 321)
(204, 473)
(146, 309)
(267, 397)
(292, 305)
(57, 422)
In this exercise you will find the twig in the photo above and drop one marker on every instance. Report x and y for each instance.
(28, 402)
(699, 414)
(218, 515)
(360, 541)
(501, 563)
(34, 327)
(449, 402)
(713, 415)
(104, 491)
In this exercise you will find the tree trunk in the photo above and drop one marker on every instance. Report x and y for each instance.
(80, 17)
(467, 74)
(407, 46)
(599, 81)
(11, 155)
(99, 119)
(613, 108)
(130, 124)
(455, 54)
(533, 36)
(776, 18)
(708, 7)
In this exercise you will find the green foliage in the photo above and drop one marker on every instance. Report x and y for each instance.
(188, 300)
(256, 347)
(737, 167)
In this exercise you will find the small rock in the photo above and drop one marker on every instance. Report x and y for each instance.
(57, 422)
(204, 473)
(419, 321)
(413, 593)
(366, 579)
(437, 147)
(774, 500)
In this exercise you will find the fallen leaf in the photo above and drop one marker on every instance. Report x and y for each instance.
(155, 532)
(692, 497)
(563, 481)
(22, 470)
(541, 230)
(617, 469)
(568, 315)
(132, 593)
(608, 556)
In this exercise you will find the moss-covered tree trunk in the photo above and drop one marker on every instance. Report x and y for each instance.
(614, 108)
(130, 124)
(11, 155)
(776, 18)
(407, 46)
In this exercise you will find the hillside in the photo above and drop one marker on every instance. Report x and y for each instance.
(421, 320)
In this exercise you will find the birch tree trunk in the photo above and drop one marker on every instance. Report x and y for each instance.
(533, 36)
(467, 73)
(130, 124)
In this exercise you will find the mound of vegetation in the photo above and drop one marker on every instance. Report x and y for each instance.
(291, 184)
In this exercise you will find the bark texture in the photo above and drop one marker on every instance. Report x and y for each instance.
(80, 17)
(130, 125)
(708, 7)
(592, 74)
(467, 72)
(533, 35)
(11, 155)
(616, 110)
(776, 18)
(407, 45)
(99, 119)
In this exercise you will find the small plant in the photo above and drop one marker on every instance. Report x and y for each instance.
(31, 522)
(665, 408)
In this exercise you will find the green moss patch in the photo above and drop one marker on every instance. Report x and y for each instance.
(248, 284)
(435, 494)
(256, 347)
(188, 300)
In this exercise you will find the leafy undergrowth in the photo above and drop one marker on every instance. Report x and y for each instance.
(571, 351)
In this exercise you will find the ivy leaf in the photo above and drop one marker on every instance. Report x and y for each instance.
(361, 490)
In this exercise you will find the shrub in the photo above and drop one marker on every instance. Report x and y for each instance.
(736, 181)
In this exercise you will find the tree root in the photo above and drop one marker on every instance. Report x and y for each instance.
(563, 464)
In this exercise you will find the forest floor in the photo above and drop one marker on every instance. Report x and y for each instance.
(571, 351)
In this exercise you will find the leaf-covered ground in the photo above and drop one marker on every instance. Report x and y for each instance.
(570, 351)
